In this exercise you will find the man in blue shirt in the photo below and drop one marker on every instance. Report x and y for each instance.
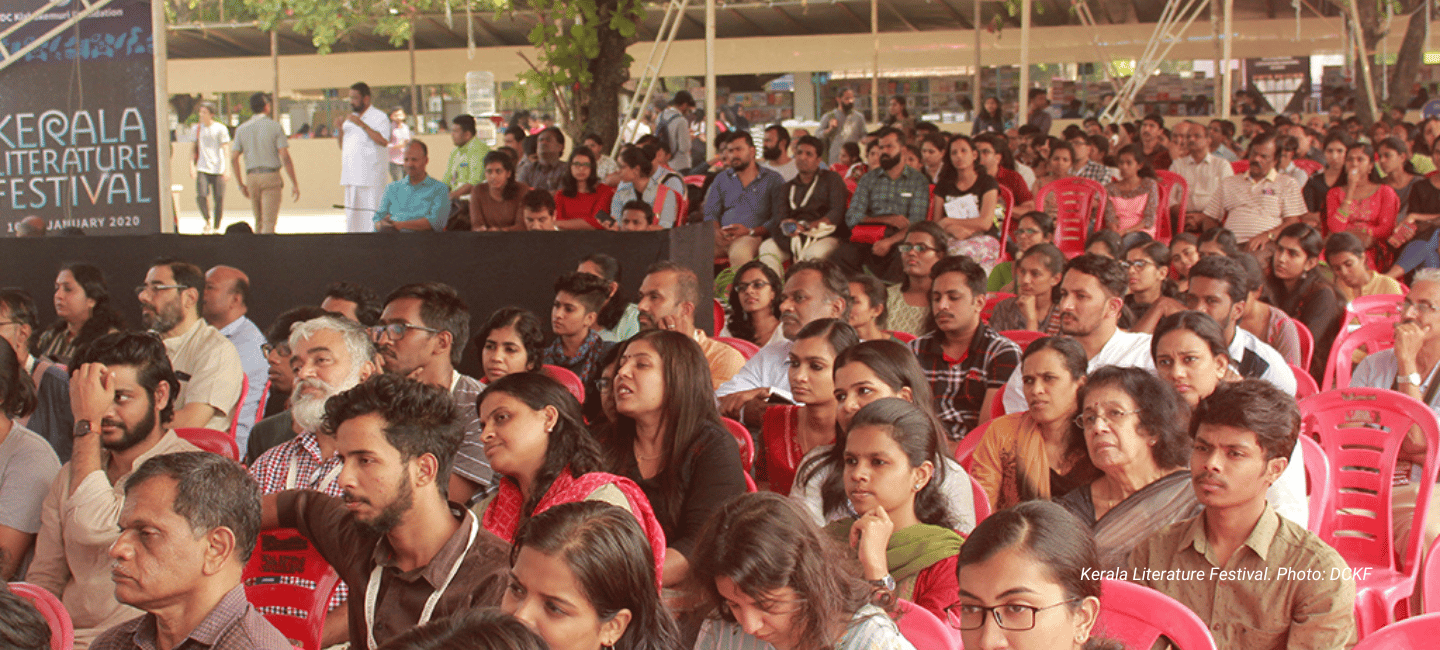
(416, 202)
(892, 197)
(738, 202)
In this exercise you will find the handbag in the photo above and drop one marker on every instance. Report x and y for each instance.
(870, 233)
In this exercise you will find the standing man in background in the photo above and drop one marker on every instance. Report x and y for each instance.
(399, 138)
(207, 166)
(844, 124)
(265, 147)
(364, 135)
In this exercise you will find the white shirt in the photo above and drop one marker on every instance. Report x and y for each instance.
(786, 171)
(1124, 349)
(1026, 173)
(211, 141)
(362, 162)
(1203, 177)
(1279, 373)
(767, 369)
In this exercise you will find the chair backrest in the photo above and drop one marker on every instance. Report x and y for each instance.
(903, 337)
(235, 411)
(1321, 477)
(62, 630)
(1136, 616)
(719, 323)
(1007, 201)
(982, 501)
(1305, 385)
(1374, 337)
(742, 438)
(1430, 581)
(1240, 166)
(1361, 430)
(1380, 308)
(1168, 181)
(568, 379)
(290, 584)
(923, 629)
(1308, 166)
(260, 410)
(966, 449)
(997, 405)
(696, 180)
(1414, 633)
(1307, 343)
(1078, 204)
(1022, 338)
(210, 440)
(990, 301)
(746, 348)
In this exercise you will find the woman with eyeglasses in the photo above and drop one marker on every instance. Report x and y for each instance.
(582, 195)
(1031, 228)
(1148, 265)
(767, 577)
(755, 304)
(83, 313)
(637, 184)
(909, 302)
(1040, 452)
(1134, 426)
(966, 202)
(790, 432)
(1029, 580)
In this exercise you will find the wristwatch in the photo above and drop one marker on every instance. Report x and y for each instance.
(1413, 379)
(887, 583)
(82, 429)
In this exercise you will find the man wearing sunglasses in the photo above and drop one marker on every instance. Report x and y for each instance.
(1258, 580)
(205, 362)
(421, 334)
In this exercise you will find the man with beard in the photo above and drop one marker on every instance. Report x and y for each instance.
(1092, 294)
(886, 202)
(1410, 368)
(814, 289)
(738, 203)
(668, 296)
(364, 138)
(1244, 432)
(329, 355)
(121, 391)
(1219, 288)
(421, 335)
(965, 360)
(392, 536)
(844, 124)
(278, 426)
(777, 151)
(205, 362)
(813, 200)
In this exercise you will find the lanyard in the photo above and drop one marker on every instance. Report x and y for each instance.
(294, 472)
(806, 200)
(372, 589)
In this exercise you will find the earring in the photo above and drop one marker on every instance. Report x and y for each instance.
(918, 486)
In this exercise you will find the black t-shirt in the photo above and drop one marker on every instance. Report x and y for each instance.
(982, 184)
(1424, 198)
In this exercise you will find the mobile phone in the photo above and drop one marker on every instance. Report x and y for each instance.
(789, 228)
(604, 218)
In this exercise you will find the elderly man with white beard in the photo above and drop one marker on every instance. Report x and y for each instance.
(330, 355)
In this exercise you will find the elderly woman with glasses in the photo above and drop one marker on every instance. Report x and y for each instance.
(1134, 427)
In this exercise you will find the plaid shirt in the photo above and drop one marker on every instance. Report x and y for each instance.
(960, 384)
(233, 625)
(1093, 171)
(272, 469)
(585, 363)
(878, 194)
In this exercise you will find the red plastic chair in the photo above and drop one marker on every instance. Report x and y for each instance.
(1416, 633)
(290, 584)
(966, 449)
(997, 405)
(1305, 385)
(990, 302)
(719, 319)
(745, 348)
(1168, 181)
(1078, 204)
(923, 629)
(982, 501)
(697, 180)
(1373, 337)
(742, 438)
(1136, 616)
(904, 337)
(1308, 166)
(1007, 200)
(62, 630)
(235, 411)
(1321, 478)
(568, 379)
(1022, 338)
(1240, 166)
(1361, 430)
(1307, 343)
(1430, 582)
(1380, 308)
(210, 440)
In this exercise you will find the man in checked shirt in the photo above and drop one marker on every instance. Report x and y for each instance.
(331, 355)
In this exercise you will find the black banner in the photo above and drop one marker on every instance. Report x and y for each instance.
(79, 141)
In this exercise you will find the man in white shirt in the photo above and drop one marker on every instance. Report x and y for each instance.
(212, 144)
(1257, 205)
(1201, 169)
(363, 136)
(205, 362)
(1221, 292)
(814, 289)
(1091, 297)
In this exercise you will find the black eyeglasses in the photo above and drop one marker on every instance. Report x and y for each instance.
(742, 287)
(1137, 265)
(282, 348)
(152, 288)
(918, 248)
(394, 331)
(1016, 618)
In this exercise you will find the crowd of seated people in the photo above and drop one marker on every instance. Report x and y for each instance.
(932, 423)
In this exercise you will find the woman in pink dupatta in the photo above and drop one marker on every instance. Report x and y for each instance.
(536, 441)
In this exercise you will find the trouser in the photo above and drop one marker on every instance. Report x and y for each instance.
(740, 250)
(265, 190)
(1402, 509)
(205, 184)
(360, 204)
(775, 256)
(397, 172)
(852, 258)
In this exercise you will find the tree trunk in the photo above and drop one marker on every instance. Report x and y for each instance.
(1369, 35)
(610, 69)
(1411, 55)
